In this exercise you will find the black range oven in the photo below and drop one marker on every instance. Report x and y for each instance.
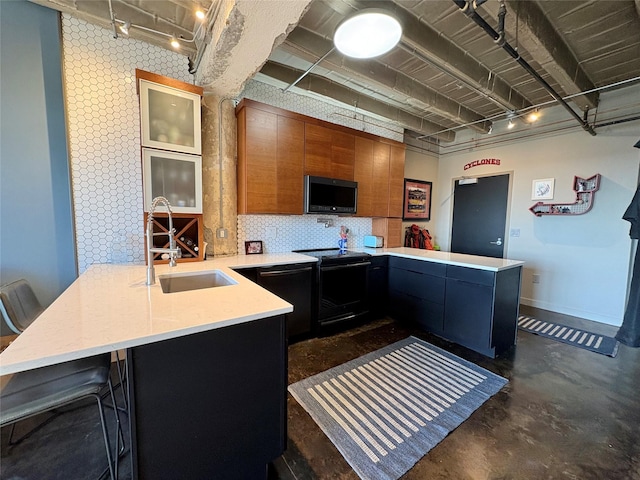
(342, 286)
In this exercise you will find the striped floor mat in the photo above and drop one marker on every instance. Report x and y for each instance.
(572, 336)
(384, 411)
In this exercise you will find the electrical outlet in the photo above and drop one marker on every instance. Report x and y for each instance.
(535, 278)
(222, 233)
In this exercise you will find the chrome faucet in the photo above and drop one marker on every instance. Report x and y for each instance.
(172, 250)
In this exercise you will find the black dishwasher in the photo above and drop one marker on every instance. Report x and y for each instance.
(293, 283)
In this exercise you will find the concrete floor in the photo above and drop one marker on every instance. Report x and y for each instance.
(566, 413)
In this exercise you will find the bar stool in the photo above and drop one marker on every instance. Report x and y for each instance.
(45, 389)
(19, 307)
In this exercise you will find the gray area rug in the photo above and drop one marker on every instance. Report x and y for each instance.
(577, 337)
(385, 410)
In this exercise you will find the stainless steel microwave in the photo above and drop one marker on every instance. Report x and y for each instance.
(330, 195)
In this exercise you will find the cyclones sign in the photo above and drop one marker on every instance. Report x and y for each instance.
(484, 161)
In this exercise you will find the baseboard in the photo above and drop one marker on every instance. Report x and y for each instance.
(607, 320)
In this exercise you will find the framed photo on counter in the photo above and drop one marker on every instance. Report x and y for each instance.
(253, 247)
(417, 200)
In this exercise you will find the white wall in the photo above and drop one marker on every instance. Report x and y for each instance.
(423, 166)
(583, 261)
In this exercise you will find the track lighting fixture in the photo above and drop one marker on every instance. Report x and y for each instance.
(175, 43)
(533, 116)
(200, 13)
(510, 125)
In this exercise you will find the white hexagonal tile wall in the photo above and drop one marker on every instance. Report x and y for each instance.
(104, 137)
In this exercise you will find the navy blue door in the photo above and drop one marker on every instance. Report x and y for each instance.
(480, 216)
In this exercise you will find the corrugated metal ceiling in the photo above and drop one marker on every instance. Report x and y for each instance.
(447, 72)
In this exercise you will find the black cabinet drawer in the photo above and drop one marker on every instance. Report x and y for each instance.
(471, 275)
(421, 266)
(426, 287)
(379, 261)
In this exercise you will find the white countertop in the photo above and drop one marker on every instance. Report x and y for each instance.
(459, 259)
(109, 307)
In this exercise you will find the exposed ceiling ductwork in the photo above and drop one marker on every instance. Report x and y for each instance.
(445, 75)
(469, 9)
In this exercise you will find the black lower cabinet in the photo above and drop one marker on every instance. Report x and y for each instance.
(417, 292)
(473, 307)
(377, 290)
(211, 404)
(468, 307)
(295, 284)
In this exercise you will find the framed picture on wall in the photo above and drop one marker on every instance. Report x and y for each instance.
(542, 189)
(175, 176)
(170, 118)
(417, 200)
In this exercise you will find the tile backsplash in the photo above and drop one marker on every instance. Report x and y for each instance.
(284, 233)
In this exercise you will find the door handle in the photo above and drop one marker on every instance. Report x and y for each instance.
(498, 242)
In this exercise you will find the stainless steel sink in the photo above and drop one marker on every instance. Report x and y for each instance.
(182, 282)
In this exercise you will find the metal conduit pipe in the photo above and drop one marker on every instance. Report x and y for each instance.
(467, 8)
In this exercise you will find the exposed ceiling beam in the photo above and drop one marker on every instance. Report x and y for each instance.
(435, 48)
(243, 37)
(537, 36)
(308, 45)
(97, 13)
(340, 93)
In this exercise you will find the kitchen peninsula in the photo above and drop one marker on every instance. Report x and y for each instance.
(207, 368)
(468, 299)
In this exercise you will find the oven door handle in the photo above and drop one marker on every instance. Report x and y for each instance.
(275, 273)
(340, 267)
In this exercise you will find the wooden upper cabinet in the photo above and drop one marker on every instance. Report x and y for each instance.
(328, 152)
(290, 155)
(343, 154)
(277, 148)
(317, 151)
(396, 180)
(270, 162)
(363, 174)
(381, 180)
(259, 159)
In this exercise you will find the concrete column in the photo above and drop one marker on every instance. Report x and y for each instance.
(219, 185)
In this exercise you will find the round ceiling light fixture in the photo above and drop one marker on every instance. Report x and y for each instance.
(367, 34)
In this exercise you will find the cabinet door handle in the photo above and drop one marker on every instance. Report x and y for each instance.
(340, 267)
(498, 242)
(275, 273)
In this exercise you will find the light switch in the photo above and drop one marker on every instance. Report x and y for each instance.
(515, 232)
(271, 233)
